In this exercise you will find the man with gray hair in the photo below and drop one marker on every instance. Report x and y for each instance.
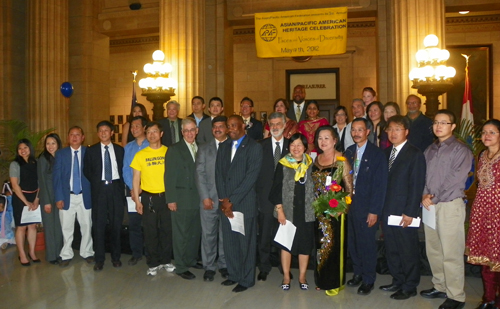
(358, 111)
(273, 149)
(171, 124)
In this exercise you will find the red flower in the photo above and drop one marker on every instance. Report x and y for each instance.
(333, 203)
(335, 188)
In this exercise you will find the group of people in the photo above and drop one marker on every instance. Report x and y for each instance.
(192, 179)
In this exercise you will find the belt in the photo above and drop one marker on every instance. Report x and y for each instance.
(71, 192)
(161, 194)
(108, 182)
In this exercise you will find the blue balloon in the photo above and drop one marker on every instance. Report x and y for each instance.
(66, 89)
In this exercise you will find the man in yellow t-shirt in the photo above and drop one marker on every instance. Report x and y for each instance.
(148, 170)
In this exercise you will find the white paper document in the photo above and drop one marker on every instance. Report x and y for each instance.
(429, 216)
(131, 204)
(31, 216)
(238, 222)
(396, 220)
(286, 234)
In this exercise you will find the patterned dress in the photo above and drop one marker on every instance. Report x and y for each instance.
(483, 239)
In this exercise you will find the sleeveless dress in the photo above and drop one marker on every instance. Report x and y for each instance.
(28, 181)
(331, 237)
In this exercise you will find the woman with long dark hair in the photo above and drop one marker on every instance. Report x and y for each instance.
(309, 126)
(137, 110)
(341, 121)
(24, 181)
(50, 213)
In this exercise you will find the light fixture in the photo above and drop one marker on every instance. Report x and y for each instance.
(158, 87)
(432, 77)
(463, 12)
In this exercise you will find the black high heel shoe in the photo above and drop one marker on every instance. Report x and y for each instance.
(34, 261)
(24, 264)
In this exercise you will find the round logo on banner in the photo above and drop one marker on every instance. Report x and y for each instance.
(268, 32)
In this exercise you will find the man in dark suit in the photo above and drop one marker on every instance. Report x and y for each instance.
(183, 200)
(237, 168)
(171, 125)
(212, 241)
(198, 105)
(215, 107)
(405, 185)
(72, 196)
(298, 106)
(103, 167)
(421, 135)
(370, 182)
(273, 149)
(253, 126)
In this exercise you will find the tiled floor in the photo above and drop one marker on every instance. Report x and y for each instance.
(78, 286)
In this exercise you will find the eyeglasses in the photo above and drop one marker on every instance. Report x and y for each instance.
(489, 133)
(189, 131)
(440, 123)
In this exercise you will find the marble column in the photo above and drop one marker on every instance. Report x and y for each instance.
(182, 40)
(412, 22)
(47, 65)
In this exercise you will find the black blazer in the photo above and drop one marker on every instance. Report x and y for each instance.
(166, 139)
(405, 183)
(92, 169)
(236, 180)
(255, 130)
(266, 176)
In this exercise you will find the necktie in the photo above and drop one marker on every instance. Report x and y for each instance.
(172, 132)
(298, 113)
(392, 158)
(233, 150)
(193, 147)
(77, 186)
(108, 175)
(277, 154)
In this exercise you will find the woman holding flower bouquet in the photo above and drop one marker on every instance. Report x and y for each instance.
(333, 185)
(293, 174)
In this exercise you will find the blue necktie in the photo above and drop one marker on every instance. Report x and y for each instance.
(108, 175)
(77, 185)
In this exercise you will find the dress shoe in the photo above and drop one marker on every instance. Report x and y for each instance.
(432, 293)
(197, 266)
(355, 281)
(285, 286)
(228, 282)
(365, 289)
(224, 273)
(117, 264)
(54, 262)
(452, 304)
(133, 260)
(239, 288)
(34, 260)
(24, 264)
(64, 263)
(209, 275)
(90, 260)
(98, 266)
(402, 294)
(304, 286)
(487, 306)
(390, 288)
(187, 275)
(262, 276)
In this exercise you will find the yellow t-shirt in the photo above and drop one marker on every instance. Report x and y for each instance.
(151, 163)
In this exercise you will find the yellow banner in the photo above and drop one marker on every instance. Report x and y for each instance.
(301, 33)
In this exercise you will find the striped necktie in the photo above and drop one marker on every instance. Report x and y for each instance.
(392, 158)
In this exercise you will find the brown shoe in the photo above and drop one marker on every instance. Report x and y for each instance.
(90, 259)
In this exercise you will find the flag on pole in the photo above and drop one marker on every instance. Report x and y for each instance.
(134, 97)
(467, 112)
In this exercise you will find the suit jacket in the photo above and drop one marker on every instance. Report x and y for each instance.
(421, 135)
(205, 171)
(61, 175)
(180, 170)
(93, 168)
(205, 131)
(236, 180)
(166, 139)
(371, 182)
(405, 183)
(266, 175)
(291, 112)
(255, 130)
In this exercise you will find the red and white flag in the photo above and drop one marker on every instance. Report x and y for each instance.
(467, 111)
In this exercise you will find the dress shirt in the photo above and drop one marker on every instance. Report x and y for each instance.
(239, 141)
(114, 164)
(79, 155)
(274, 143)
(295, 108)
(359, 156)
(198, 120)
(247, 120)
(448, 165)
(190, 147)
(130, 150)
(176, 128)
(217, 142)
(398, 149)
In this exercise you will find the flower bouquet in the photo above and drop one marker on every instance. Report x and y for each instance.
(331, 200)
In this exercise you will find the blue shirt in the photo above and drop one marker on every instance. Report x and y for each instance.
(357, 161)
(130, 150)
(239, 141)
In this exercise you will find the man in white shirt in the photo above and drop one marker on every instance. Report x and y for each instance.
(299, 104)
